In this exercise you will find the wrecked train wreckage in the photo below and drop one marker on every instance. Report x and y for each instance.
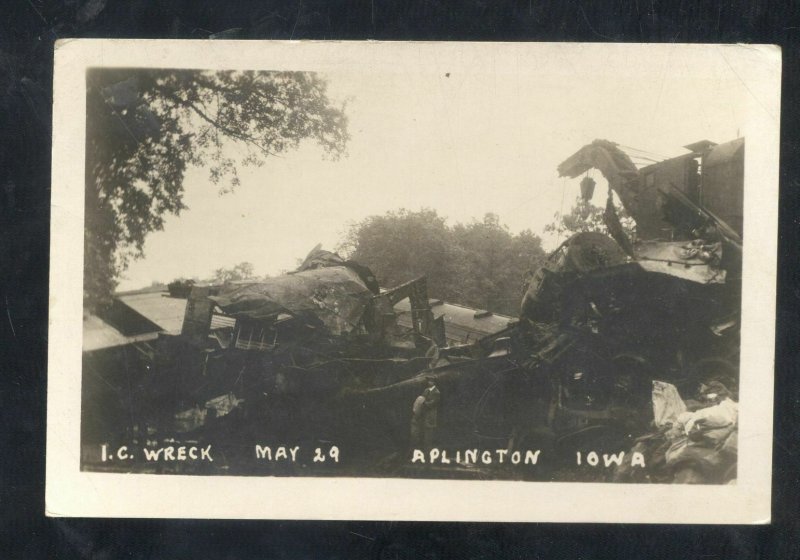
(672, 294)
(605, 318)
(320, 354)
(662, 305)
(267, 358)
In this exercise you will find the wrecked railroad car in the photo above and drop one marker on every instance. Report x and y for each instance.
(670, 293)
(284, 346)
(621, 311)
(270, 358)
(606, 316)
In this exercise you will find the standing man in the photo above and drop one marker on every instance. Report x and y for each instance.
(431, 406)
(418, 423)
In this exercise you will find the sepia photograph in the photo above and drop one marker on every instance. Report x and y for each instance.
(435, 267)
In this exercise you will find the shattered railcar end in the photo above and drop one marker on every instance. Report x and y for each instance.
(606, 315)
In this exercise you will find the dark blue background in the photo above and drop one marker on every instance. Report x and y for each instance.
(28, 29)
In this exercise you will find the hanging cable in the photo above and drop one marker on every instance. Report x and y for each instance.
(643, 151)
(561, 211)
(651, 160)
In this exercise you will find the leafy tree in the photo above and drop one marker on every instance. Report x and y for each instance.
(584, 216)
(242, 271)
(146, 127)
(480, 264)
(403, 245)
(493, 263)
(180, 287)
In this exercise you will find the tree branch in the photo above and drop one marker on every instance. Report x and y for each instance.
(230, 132)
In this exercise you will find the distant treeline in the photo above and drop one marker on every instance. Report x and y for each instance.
(480, 264)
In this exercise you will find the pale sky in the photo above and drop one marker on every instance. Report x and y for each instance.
(486, 138)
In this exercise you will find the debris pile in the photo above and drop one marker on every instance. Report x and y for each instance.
(693, 442)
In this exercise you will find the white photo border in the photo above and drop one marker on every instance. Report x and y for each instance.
(71, 492)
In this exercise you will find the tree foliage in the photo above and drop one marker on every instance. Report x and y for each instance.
(585, 216)
(242, 271)
(180, 287)
(493, 263)
(145, 128)
(480, 264)
(403, 245)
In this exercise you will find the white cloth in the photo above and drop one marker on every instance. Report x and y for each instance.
(667, 403)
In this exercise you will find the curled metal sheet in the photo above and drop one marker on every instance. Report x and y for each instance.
(334, 296)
